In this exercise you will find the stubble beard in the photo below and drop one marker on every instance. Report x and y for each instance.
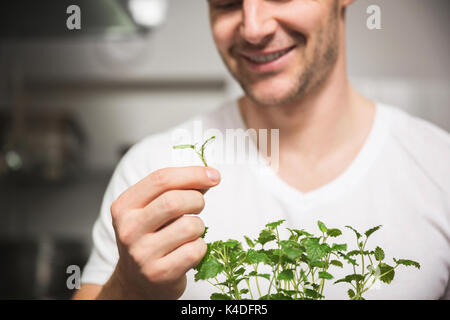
(315, 72)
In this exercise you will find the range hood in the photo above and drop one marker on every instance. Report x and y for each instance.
(23, 19)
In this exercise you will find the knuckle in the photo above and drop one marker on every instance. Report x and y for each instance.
(195, 252)
(170, 203)
(115, 209)
(200, 200)
(160, 179)
(126, 234)
(192, 226)
(136, 254)
(156, 273)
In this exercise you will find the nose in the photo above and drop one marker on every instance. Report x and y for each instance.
(257, 21)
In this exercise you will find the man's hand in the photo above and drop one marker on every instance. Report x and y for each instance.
(157, 243)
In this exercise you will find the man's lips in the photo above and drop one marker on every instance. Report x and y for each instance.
(268, 61)
(265, 56)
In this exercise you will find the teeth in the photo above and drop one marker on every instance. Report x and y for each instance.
(268, 57)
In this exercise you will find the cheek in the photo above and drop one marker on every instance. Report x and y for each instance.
(224, 29)
(304, 16)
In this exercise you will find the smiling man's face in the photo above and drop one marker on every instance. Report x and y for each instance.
(278, 50)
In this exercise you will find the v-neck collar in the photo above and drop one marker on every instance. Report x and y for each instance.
(293, 197)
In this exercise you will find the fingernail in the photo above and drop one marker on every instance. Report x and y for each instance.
(212, 174)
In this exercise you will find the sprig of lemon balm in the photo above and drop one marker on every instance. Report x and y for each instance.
(200, 152)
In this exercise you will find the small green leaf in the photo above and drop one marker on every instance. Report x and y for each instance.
(286, 275)
(379, 254)
(353, 253)
(289, 292)
(239, 271)
(300, 233)
(266, 236)
(318, 264)
(407, 263)
(255, 257)
(184, 146)
(264, 275)
(387, 273)
(204, 233)
(322, 226)
(230, 243)
(325, 275)
(291, 249)
(249, 242)
(370, 231)
(339, 247)
(220, 296)
(312, 293)
(209, 269)
(358, 235)
(351, 277)
(275, 224)
(336, 263)
(351, 293)
(334, 232)
(314, 250)
(280, 296)
(348, 259)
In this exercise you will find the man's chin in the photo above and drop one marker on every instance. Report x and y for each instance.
(270, 97)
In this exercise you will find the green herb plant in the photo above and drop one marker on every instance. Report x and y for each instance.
(299, 266)
(200, 152)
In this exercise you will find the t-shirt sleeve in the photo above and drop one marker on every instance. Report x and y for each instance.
(104, 254)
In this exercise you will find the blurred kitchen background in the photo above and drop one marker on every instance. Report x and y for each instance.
(72, 102)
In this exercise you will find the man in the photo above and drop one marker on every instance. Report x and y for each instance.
(343, 160)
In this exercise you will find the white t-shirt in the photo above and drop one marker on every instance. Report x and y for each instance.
(400, 180)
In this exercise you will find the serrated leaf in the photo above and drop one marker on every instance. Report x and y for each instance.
(372, 230)
(266, 236)
(264, 275)
(325, 275)
(209, 269)
(407, 263)
(184, 146)
(239, 271)
(387, 273)
(334, 232)
(303, 276)
(220, 296)
(230, 243)
(286, 275)
(348, 259)
(339, 247)
(291, 251)
(255, 257)
(289, 292)
(351, 293)
(314, 250)
(312, 293)
(358, 235)
(322, 226)
(279, 296)
(249, 241)
(275, 224)
(353, 253)
(204, 233)
(379, 254)
(351, 277)
(318, 264)
(301, 232)
(336, 263)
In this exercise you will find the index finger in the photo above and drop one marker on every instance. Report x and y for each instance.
(171, 178)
